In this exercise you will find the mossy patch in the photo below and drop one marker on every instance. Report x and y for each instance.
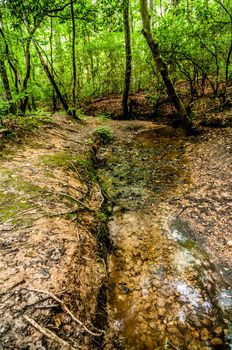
(10, 205)
(59, 159)
(18, 195)
(86, 165)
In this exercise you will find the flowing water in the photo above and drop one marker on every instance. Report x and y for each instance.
(164, 293)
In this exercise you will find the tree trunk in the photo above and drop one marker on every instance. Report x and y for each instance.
(5, 80)
(54, 101)
(127, 32)
(9, 55)
(73, 61)
(162, 66)
(51, 79)
(24, 102)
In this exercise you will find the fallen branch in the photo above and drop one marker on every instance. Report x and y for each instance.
(49, 334)
(67, 310)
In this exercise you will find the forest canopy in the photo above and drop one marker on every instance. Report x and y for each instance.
(61, 53)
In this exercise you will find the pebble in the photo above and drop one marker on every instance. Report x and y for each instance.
(162, 311)
(161, 302)
(156, 283)
(216, 341)
(218, 330)
(206, 322)
(152, 325)
(204, 334)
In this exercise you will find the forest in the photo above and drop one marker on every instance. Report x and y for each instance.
(60, 54)
(115, 174)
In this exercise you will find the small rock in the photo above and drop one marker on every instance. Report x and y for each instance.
(156, 283)
(152, 325)
(218, 330)
(161, 302)
(173, 329)
(229, 243)
(162, 311)
(216, 341)
(206, 322)
(204, 334)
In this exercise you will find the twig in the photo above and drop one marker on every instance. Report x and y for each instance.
(67, 310)
(49, 333)
(76, 200)
(172, 345)
(182, 210)
(74, 211)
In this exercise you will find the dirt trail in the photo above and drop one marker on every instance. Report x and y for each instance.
(40, 247)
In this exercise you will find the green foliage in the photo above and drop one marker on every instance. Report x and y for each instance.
(104, 135)
(194, 37)
(102, 216)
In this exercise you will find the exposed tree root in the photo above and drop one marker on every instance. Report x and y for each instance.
(53, 296)
(49, 334)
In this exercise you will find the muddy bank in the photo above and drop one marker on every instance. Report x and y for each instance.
(51, 269)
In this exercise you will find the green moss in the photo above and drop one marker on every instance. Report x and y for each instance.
(103, 217)
(59, 159)
(10, 205)
(18, 195)
(87, 168)
(31, 122)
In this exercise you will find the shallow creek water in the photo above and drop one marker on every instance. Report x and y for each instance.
(164, 293)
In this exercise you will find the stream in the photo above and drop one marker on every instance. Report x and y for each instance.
(163, 290)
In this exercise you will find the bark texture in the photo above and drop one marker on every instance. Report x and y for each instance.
(127, 33)
(51, 79)
(162, 66)
(74, 60)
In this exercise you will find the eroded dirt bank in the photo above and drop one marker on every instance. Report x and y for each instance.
(168, 275)
(49, 222)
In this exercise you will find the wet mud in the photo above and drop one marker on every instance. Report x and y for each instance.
(163, 291)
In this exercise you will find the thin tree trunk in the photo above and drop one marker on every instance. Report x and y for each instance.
(7, 52)
(162, 66)
(52, 68)
(5, 80)
(127, 32)
(51, 79)
(73, 61)
(24, 102)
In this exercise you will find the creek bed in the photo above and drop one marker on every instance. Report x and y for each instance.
(163, 293)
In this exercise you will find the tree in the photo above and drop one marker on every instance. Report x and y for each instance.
(127, 34)
(74, 61)
(51, 79)
(162, 66)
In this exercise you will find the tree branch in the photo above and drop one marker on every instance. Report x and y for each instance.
(62, 8)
